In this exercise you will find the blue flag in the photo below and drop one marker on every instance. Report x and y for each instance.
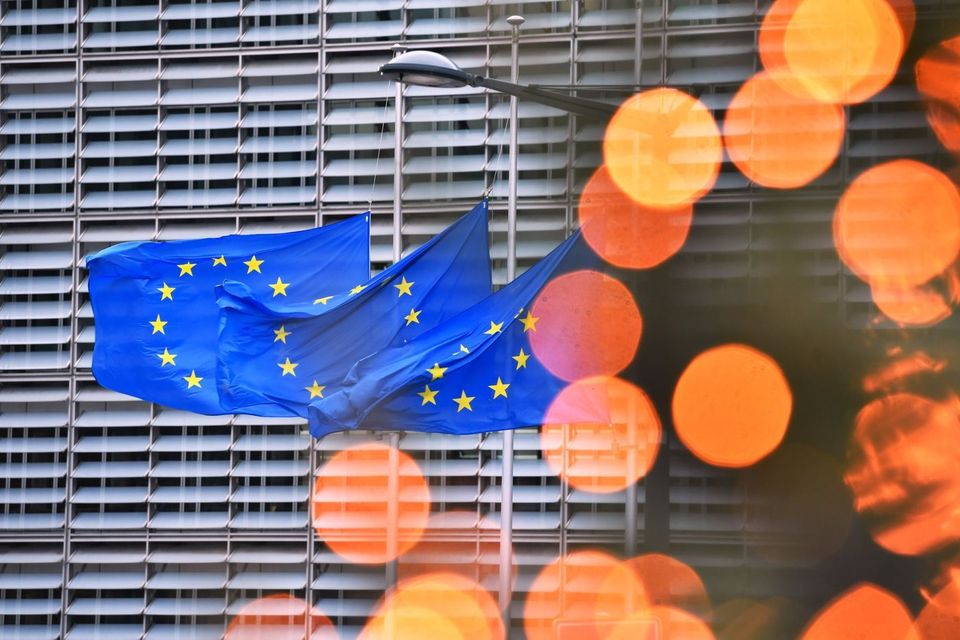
(475, 373)
(276, 356)
(155, 305)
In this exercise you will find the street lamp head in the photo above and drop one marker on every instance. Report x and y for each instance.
(426, 69)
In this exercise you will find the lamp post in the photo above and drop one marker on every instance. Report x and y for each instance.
(431, 69)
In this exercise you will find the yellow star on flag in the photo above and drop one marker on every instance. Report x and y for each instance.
(463, 349)
(521, 359)
(428, 395)
(463, 402)
(281, 334)
(413, 317)
(495, 328)
(158, 325)
(357, 289)
(316, 390)
(193, 380)
(288, 367)
(187, 268)
(166, 357)
(167, 292)
(279, 287)
(437, 371)
(253, 264)
(404, 287)
(529, 322)
(499, 389)
(222, 260)
(323, 300)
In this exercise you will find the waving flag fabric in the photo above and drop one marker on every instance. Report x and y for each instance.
(278, 355)
(156, 311)
(475, 373)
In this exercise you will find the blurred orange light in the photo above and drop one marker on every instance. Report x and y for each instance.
(459, 542)
(834, 52)
(589, 325)
(906, 16)
(663, 148)
(778, 139)
(732, 405)
(625, 233)
(661, 623)
(411, 623)
(279, 617)
(938, 72)
(352, 498)
(940, 618)
(898, 224)
(668, 582)
(938, 80)
(904, 471)
(901, 368)
(600, 434)
(864, 611)
(580, 596)
(911, 306)
(437, 603)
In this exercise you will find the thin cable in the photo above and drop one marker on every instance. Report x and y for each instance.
(376, 166)
(498, 173)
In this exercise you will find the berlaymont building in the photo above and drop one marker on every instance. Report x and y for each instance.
(170, 119)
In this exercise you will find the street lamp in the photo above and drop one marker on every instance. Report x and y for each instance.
(431, 69)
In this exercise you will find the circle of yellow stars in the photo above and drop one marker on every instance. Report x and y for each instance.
(281, 333)
(159, 325)
(498, 389)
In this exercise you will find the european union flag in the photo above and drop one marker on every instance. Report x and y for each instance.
(276, 356)
(156, 311)
(475, 373)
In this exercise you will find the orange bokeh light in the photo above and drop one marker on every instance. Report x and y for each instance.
(940, 618)
(589, 325)
(663, 148)
(444, 601)
(661, 623)
(625, 233)
(906, 16)
(459, 542)
(911, 306)
(833, 52)
(864, 611)
(778, 139)
(352, 498)
(600, 434)
(668, 582)
(898, 224)
(903, 470)
(901, 368)
(938, 80)
(581, 595)
(732, 405)
(278, 617)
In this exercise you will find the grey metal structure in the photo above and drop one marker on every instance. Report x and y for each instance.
(155, 119)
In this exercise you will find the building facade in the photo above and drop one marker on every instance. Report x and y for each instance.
(163, 119)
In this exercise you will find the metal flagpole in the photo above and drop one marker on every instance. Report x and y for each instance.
(506, 456)
(393, 485)
(630, 508)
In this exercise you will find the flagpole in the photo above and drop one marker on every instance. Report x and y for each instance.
(506, 455)
(393, 493)
(630, 506)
